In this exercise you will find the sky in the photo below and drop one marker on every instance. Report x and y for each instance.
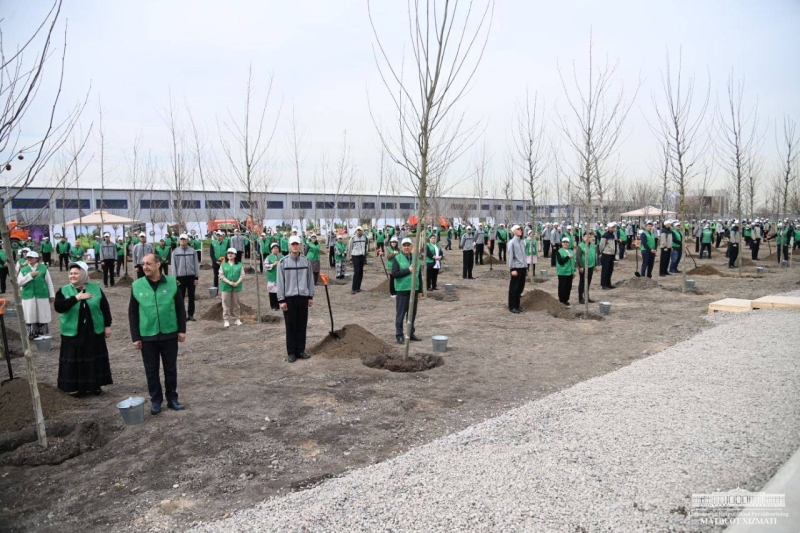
(319, 55)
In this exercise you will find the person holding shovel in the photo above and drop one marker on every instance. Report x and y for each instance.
(231, 276)
(586, 260)
(271, 266)
(402, 273)
(295, 297)
(83, 365)
(157, 320)
(565, 269)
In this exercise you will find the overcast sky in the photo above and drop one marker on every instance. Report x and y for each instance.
(320, 55)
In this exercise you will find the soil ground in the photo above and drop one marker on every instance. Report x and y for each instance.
(256, 426)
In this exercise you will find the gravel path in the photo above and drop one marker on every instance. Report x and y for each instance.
(620, 452)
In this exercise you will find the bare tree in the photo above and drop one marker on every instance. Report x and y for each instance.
(297, 153)
(179, 173)
(344, 179)
(788, 144)
(21, 77)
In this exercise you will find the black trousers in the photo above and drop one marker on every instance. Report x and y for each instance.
(754, 246)
(546, 247)
(247, 250)
(432, 275)
(556, 248)
(401, 304)
(607, 269)
(621, 251)
(733, 254)
(239, 256)
(629, 244)
(491, 248)
(139, 271)
(164, 267)
(588, 281)
(3, 276)
(273, 301)
(215, 266)
(186, 285)
(358, 271)
(564, 288)
(108, 272)
(469, 260)
(663, 265)
(515, 287)
(719, 240)
(96, 261)
(479, 254)
(501, 251)
(706, 246)
(296, 320)
(783, 252)
(63, 261)
(697, 245)
(199, 256)
(46, 258)
(648, 260)
(331, 259)
(154, 355)
(118, 263)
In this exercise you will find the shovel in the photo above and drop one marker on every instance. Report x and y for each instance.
(5, 341)
(324, 278)
(384, 264)
(691, 257)
(636, 248)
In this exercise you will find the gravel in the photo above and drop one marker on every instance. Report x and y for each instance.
(623, 452)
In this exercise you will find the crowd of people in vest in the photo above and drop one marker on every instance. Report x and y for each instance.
(290, 263)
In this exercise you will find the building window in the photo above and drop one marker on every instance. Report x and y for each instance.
(367, 205)
(347, 205)
(325, 205)
(484, 207)
(275, 204)
(387, 205)
(70, 203)
(472, 207)
(187, 204)
(520, 208)
(302, 205)
(218, 204)
(154, 204)
(107, 203)
(457, 206)
(498, 207)
(29, 203)
(406, 205)
(244, 204)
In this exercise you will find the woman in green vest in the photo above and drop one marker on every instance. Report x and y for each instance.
(313, 256)
(164, 251)
(391, 253)
(531, 252)
(565, 269)
(83, 365)
(231, 276)
(76, 252)
(37, 295)
(271, 266)
(3, 269)
(120, 254)
(47, 251)
(340, 252)
(586, 261)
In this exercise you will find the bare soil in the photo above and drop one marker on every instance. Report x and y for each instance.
(257, 426)
(705, 270)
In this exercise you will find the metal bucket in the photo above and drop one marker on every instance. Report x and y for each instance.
(690, 284)
(42, 343)
(440, 343)
(132, 410)
(212, 291)
(11, 313)
(543, 273)
(448, 287)
(759, 270)
(605, 308)
(446, 268)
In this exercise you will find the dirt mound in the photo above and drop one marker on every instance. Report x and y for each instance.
(96, 274)
(382, 287)
(489, 259)
(354, 342)
(205, 266)
(537, 300)
(270, 319)
(414, 363)
(15, 404)
(86, 437)
(705, 270)
(638, 284)
(249, 270)
(14, 342)
(442, 296)
(124, 281)
(495, 274)
(215, 313)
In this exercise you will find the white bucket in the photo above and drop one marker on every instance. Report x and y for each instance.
(543, 273)
(448, 287)
(440, 343)
(132, 410)
(759, 270)
(212, 291)
(690, 284)
(605, 308)
(42, 343)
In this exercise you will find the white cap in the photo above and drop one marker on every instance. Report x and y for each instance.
(143, 234)
(515, 227)
(565, 239)
(274, 245)
(406, 241)
(393, 239)
(183, 236)
(33, 255)
(80, 264)
(612, 224)
(106, 235)
(25, 250)
(218, 232)
(231, 251)
(339, 237)
(47, 238)
(359, 228)
(294, 239)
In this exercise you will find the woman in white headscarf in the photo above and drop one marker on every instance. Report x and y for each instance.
(37, 295)
(83, 365)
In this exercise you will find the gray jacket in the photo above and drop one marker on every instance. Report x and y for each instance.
(467, 242)
(357, 246)
(108, 250)
(295, 277)
(480, 238)
(185, 263)
(555, 236)
(516, 253)
(665, 239)
(140, 250)
(237, 242)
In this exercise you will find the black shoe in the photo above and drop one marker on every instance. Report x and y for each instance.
(581, 301)
(291, 358)
(400, 339)
(175, 405)
(521, 309)
(352, 292)
(113, 284)
(591, 301)
(414, 338)
(515, 311)
(472, 277)
(155, 408)
(191, 319)
(304, 355)
(605, 288)
(105, 285)
(567, 305)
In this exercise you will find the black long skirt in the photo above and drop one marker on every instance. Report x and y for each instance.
(83, 364)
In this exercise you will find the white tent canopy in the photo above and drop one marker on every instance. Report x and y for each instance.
(101, 218)
(647, 211)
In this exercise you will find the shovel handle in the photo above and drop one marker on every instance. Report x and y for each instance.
(324, 278)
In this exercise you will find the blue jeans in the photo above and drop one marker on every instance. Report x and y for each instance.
(674, 259)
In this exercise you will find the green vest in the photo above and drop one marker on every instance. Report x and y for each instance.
(163, 253)
(677, 239)
(781, 238)
(707, 235)
(651, 240)
(380, 237)
(69, 319)
(623, 235)
(313, 252)
(284, 242)
(62, 247)
(404, 283)
(47, 247)
(590, 259)
(530, 247)
(3, 258)
(120, 249)
(567, 269)
(232, 272)
(502, 235)
(156, 308)
(747, 232)
(168, 242)
(197, 244)
(220, 248)
(76, 253)
(96, 247)
(341, 251)
(430, 260)
(272, 275)
(37, 287)
(263, 246)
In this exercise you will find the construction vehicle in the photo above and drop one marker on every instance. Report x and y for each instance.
(17, 234)
(230, 224)
(443, 222)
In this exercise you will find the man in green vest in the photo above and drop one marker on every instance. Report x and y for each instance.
(3, 269)
(586, 263)
(120, 255)
(263, 250)
(402, 273)
(706, 236)
(47, 251)
(565, 269)
(677, 248)
(76, 252)
(502, 239)
(62, 249)
(647, 243)
(158, 323)
(96, 247)
(782, 236)
(219, 248)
